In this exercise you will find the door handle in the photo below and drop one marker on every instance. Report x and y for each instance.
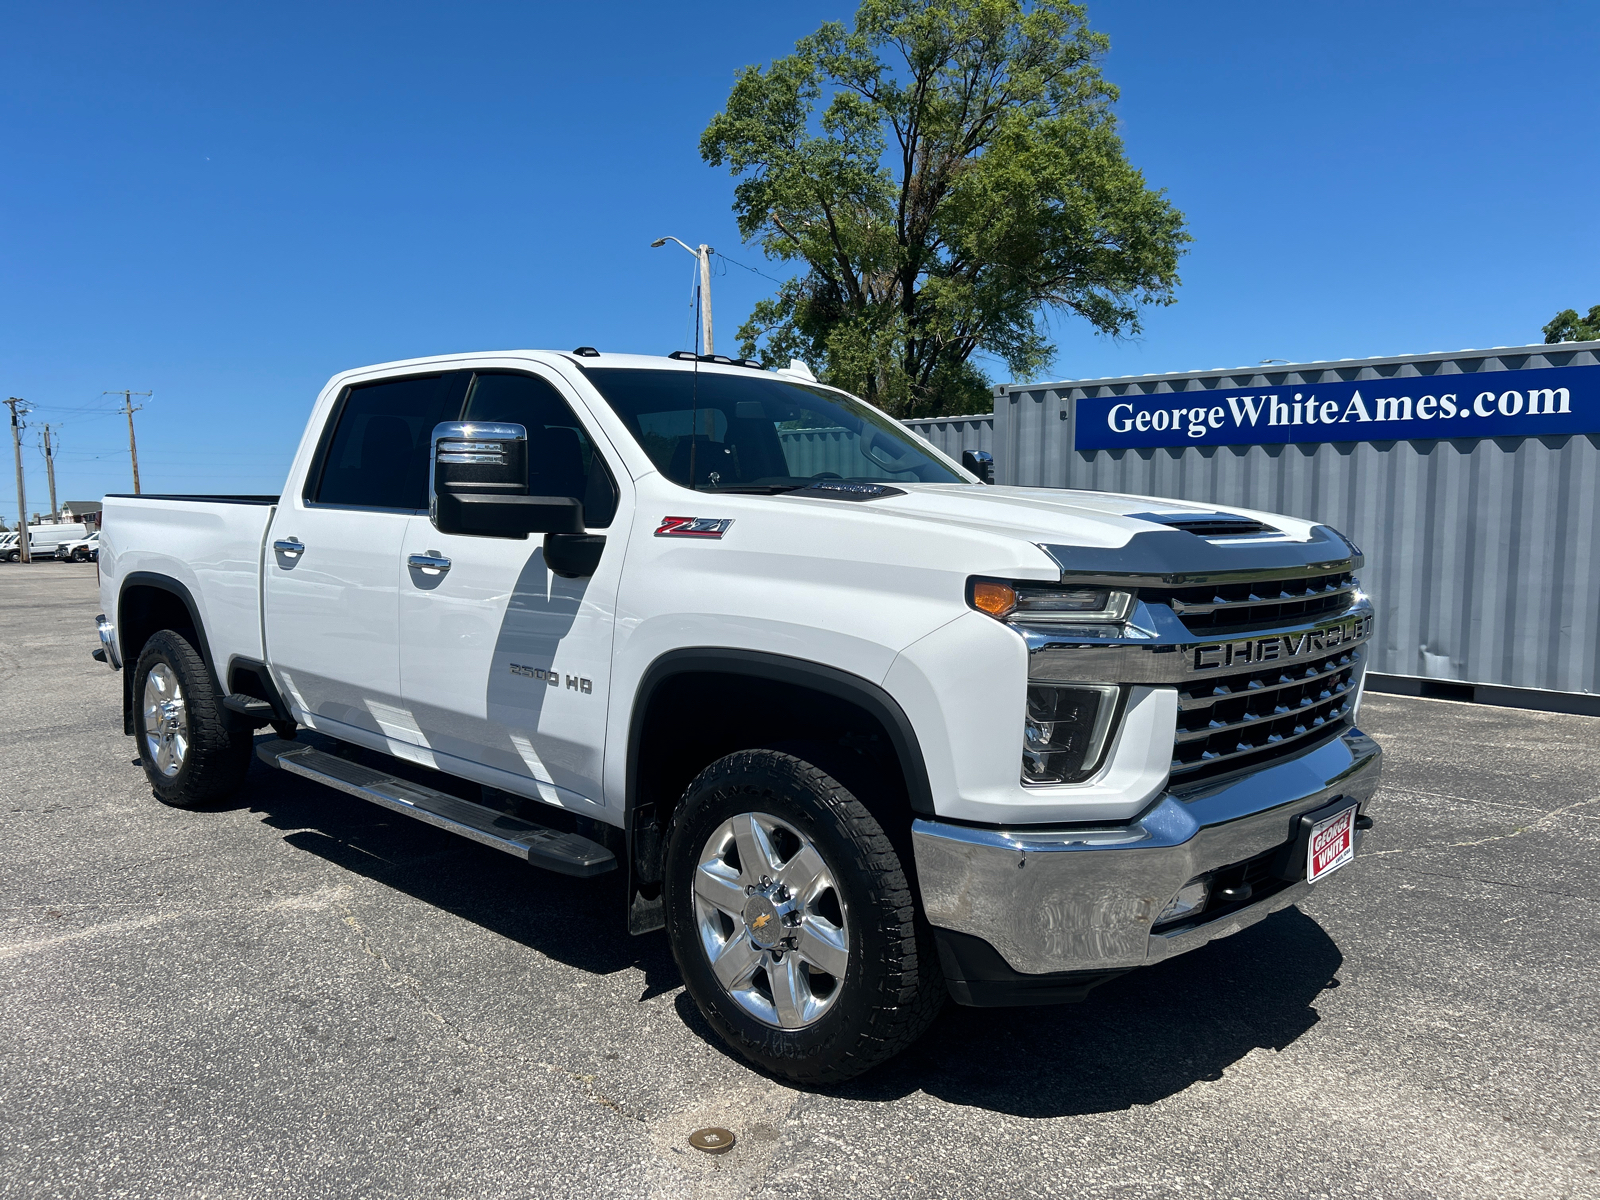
(289, 547)
(431, 561)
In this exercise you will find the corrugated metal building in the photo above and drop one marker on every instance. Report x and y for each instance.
(1482, 552)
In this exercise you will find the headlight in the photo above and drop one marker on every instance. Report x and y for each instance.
(1047, 602)
(1064, 733)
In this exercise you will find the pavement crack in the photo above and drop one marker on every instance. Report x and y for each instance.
(1521, 887)
(406, 982)
(1499, 837)
(587, 1079)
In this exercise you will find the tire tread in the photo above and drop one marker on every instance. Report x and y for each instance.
(218, 756)
(910, 991)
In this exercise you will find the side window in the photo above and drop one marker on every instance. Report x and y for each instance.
(562, 461)
(378, 455)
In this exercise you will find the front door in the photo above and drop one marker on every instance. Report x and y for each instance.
(334, 562)
(505, 665)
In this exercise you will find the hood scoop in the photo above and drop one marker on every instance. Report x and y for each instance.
(1208, 525)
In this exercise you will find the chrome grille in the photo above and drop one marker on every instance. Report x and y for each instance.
(1249, 718)
(1258, 604)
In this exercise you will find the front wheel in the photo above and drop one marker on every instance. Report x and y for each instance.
(792, 920)
(187, 746)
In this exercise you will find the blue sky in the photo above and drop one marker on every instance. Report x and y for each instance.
(226, 204)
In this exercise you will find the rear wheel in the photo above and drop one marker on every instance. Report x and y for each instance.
(189, 751)
(793, 922)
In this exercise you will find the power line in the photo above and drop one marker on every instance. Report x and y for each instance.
(752, 270)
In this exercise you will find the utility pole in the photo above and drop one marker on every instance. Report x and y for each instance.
(703, 254)
(22, 495)
(133, 448)
(50, 472)
(705, 291)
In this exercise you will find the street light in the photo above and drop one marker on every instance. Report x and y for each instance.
(703, 254)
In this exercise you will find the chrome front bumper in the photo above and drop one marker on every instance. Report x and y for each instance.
(1084, 899)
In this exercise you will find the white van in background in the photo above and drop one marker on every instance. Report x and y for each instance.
(43, 540)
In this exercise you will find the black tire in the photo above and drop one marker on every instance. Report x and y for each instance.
(892, 989)
(216, 756)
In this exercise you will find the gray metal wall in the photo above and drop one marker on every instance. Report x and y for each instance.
(1483, 555)
(955, 434)
(813, 450)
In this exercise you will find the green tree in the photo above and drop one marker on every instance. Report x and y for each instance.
(1568, 326)
(963, 180)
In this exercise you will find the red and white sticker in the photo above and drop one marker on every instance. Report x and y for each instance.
(694, 527)
(1333, 844)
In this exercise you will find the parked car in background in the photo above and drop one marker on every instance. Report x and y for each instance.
(82, 550)
(44, 539)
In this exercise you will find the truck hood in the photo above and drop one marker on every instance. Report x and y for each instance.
(1070, 518)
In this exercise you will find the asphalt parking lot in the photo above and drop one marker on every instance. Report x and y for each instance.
(302, 995)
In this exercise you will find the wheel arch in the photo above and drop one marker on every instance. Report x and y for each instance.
(722, 684)
(148, 601)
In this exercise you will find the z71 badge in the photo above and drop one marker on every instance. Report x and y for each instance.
(695, 527)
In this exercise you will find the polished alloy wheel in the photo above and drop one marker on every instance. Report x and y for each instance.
(166, 723)
(771, 920)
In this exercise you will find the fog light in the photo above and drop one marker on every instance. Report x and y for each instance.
(1191, 898)
(1065, 732)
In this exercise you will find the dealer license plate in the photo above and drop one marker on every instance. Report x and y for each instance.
(1333, 843)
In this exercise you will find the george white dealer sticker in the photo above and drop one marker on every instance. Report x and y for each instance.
(1333, 844)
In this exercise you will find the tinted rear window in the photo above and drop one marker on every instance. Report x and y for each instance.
(378, 456)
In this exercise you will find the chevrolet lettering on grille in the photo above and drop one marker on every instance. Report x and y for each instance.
(1290, 647)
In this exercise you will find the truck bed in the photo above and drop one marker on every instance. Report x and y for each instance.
(212, 545)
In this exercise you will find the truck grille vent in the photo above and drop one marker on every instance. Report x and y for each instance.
(1260, 604)
(1230, 722)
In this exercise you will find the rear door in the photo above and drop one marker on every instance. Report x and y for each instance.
(504, 665)
(334, 561)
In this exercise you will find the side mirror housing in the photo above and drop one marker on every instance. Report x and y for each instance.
(478, 485)
(980, 463)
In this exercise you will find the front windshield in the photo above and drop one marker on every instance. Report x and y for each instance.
(723, 432)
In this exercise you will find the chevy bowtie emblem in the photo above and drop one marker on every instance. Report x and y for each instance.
(760, 921)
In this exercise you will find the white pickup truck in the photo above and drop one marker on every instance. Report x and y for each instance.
(861, 731)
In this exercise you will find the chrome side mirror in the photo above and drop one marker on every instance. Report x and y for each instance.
(478, 485)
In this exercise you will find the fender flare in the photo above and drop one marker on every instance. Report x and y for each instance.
(644, 914)
(165, 583)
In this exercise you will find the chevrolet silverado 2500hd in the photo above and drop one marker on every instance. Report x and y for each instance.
(859, 731)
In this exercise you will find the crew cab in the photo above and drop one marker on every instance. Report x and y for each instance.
(860, 731)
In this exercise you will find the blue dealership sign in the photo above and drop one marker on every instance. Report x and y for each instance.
(1534, 403)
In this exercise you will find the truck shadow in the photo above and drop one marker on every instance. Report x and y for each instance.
(1136, 1040)
(577, 922)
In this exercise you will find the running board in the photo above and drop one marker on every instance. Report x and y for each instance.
(567, 853)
